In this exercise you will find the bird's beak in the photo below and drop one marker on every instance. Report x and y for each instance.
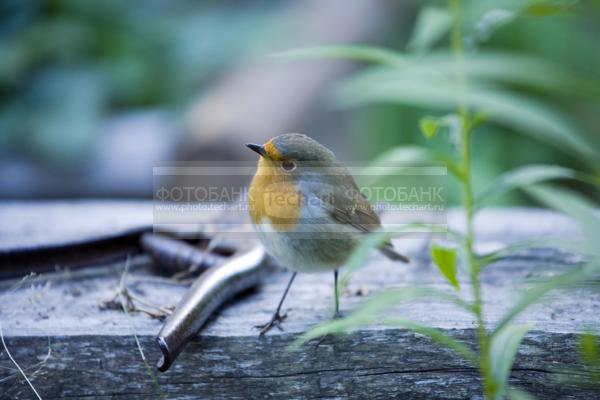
(257, 148)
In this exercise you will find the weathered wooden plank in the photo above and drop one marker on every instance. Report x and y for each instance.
(365, 364)
(34, 224)
(94, 354)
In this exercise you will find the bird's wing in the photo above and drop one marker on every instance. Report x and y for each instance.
(341, 200)
(357, 212)
(344, 203)
(351, 208)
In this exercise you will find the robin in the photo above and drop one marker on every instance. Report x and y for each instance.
(307, 210)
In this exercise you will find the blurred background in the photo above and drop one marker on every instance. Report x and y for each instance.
(93, 94)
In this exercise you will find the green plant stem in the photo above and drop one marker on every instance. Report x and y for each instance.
(471, 259)
(468, 202)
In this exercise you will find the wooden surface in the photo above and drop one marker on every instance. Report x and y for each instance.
(93, 352)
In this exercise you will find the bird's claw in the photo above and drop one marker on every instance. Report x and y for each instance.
(275, 321)
(337, 315)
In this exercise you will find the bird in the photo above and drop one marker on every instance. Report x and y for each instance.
(308, 211)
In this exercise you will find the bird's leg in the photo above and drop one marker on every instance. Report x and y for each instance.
(277, 318)
(337, 313)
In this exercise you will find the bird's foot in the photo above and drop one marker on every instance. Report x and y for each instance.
(319, 341)
(275, 321)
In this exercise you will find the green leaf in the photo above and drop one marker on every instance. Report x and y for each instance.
(503, 348)
(518, 394)
(432, 24)
(451, 124)
(429, 126)
(571, 245)
(370, 54)
(489, 22)
(369, 312)
(487, 68)
(437, 336)
(536, 292)
(587, 380)
(544, 8)
(361, 253)
(445, 259)
(410, 156)
(589, 349)
(374, 240)
(430, 91)
(517, 69)
(479, 15)
(405, 156)
(392, 297)
(522, 177)
(498, 67)
(575, 206)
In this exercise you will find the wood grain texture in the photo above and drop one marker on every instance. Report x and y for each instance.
(366, 364)
(93, 352)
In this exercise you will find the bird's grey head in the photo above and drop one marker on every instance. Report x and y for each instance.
(296, 146)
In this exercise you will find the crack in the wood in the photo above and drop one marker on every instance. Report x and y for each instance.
(110, 395)
(540, 370)
(419, 371)
(335, 370)
(299, 373)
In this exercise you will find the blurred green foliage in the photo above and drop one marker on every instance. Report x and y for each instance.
(553, 45)
(473, 93)
(64, 64)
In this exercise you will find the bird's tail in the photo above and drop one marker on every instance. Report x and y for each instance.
(389, 252)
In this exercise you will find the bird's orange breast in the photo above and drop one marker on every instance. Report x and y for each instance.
(274, 196)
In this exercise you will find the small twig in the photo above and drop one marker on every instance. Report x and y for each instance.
(145, 302)
(123, 298)
(18, 284)
(16, 364)
(121, 294)
(38, 364)
(158, 279)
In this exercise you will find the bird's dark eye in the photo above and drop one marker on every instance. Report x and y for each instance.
(288, 166)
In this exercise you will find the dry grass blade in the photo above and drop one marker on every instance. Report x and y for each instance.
(124, 302)
(17, 365)
(37, 365)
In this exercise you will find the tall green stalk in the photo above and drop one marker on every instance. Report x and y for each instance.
(496, 346)
(466, 127)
